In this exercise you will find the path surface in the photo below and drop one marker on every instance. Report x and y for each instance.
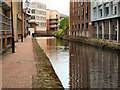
(18, 68)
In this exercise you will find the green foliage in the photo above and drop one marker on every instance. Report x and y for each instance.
(59, 33)
(98, 42)
(64, 23)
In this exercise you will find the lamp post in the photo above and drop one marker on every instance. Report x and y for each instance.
(13, 43)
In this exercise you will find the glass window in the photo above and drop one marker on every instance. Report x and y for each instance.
(33, 5)
(32, 17)
(87, 25)
(33, 10)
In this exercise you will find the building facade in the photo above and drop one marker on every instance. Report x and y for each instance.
(38, 15)
(27, 6)
(27, 13)
(5, 26)
(105, 17)
(53, 18)
(26, 24)
(80, 19)
(17, 20)
(19, 23)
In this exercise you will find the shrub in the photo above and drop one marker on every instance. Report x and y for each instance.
(59, 33)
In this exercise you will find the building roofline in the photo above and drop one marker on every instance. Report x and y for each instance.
(37, 2)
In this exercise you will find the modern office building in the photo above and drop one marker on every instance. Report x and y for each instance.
(80, 19)
(53, 17)
(38, 15)
(105, 17)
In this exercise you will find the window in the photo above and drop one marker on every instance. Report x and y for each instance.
(79, 26)
(82, 26)
(79, 4)
(78, 12)
(94, 13)
(33, 10)
(100, 12)
(86, 9)
(73, 27)
(45, 24)
(86, 25)
(114, 10)
(83, 12)
(106, 9)
(73, 4)
(82, 3)
(33, 5)
(32, 17)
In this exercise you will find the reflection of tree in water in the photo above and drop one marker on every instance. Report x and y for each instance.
(92, 68)
(63, 43)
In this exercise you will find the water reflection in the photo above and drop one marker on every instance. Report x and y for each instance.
(82, 66)
(91, 67)
(58, 53)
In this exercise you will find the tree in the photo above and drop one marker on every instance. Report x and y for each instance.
(64, 23)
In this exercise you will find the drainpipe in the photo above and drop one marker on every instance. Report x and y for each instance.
(21, 24)
(13, 43)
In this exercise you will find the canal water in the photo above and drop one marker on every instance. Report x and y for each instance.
(82, 66)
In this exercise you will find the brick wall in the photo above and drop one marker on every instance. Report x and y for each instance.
(48, 24)
(80, 18)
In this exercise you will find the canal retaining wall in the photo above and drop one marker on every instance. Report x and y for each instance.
(95, 42)
(46, 76)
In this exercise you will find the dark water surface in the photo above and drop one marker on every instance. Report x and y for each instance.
(82, 66)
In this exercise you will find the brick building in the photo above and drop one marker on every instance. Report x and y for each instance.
(19, 23)
(32, 28)
(5, 26)
(80, 19)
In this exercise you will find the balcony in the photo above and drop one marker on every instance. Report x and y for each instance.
(54, 22)
(55, 18)
(5, 25)
(54, 26)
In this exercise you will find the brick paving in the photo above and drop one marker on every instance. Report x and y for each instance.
(18, 68)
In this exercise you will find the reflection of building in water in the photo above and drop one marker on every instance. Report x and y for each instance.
(47, 45)
(93, 68)
(79, 67)
(118, 70)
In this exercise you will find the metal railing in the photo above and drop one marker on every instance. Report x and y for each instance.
(53, 22)
(5, 25)
(54, 26)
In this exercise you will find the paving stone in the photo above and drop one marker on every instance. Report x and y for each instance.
(18, 68)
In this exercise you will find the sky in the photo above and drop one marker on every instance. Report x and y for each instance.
(62, 6)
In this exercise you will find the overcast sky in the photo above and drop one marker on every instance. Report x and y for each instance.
(61, 5)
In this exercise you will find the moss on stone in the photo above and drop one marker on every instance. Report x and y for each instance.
(46, 77)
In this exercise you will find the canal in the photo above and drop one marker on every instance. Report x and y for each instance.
(82, 66)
